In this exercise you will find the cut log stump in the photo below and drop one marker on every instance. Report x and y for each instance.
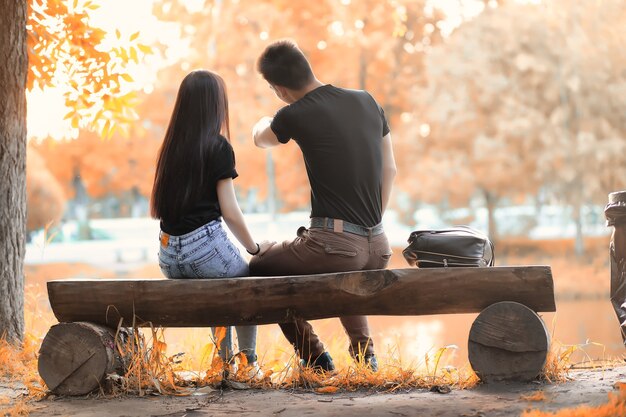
(75, 358)
(508, 342)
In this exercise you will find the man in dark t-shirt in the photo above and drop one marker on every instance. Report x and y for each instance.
(346, 144)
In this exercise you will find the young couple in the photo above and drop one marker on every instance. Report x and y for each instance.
(346, 144)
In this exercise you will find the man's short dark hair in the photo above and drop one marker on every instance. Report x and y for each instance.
(283, 63)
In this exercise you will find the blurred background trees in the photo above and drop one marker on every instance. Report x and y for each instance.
(515, 104)
(529, 94)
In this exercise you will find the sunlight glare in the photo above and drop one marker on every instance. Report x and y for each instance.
(46, 110)
(417, 339)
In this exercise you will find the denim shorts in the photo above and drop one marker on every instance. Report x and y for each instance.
(204, 253)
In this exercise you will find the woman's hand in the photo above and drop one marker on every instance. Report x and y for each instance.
(264, 247)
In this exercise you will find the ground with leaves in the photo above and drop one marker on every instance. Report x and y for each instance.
(589, 393)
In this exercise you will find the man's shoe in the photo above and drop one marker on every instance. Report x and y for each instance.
(323, 363)
(369, 361)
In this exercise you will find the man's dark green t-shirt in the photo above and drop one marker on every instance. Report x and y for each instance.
(340, 134)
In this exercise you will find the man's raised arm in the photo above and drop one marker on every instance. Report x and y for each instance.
(263, 135)
(389, 170)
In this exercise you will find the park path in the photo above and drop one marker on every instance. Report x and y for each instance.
(589, 387)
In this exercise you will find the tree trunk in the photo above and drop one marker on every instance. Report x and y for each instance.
(13, 72)
(579, 243)
(81, 206)
(490, 203)
(363, 67)
(136, 208)
(209, 302)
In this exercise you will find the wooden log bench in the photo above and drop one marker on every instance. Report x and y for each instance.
(507, 341)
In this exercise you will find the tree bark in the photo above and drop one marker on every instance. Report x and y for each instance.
(579, 242)
(490, 203)
(242, 301)
(13, 72)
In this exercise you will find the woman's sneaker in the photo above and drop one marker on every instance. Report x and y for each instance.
(255, 373)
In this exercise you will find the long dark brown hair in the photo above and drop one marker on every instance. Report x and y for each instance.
(200, 115)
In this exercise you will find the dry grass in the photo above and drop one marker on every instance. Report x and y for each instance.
(150, 370)
(18, 366)
(616, 406)
(21, 407)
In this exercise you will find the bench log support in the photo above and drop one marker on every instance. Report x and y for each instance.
(75, 358)
(508, 342)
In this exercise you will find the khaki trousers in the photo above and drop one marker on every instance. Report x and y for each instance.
(318, 251)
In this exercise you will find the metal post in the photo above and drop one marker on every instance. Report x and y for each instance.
(615, 213)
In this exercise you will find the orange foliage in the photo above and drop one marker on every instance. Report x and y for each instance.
(62, 44)
(115, 167)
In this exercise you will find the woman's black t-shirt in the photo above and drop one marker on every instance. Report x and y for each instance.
(222, 166)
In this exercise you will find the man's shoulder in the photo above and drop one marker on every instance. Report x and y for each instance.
(362, 95)
(285, 112)
(353, 91)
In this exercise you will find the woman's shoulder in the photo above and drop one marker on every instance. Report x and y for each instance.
(223, 142)
(222, 149)
(220, 146)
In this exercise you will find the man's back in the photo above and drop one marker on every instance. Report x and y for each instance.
(340, 133)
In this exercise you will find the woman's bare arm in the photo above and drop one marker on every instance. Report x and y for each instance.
(232, 215)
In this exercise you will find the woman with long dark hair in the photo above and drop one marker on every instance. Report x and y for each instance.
(193, 190)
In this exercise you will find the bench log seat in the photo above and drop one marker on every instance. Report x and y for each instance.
(512, 330)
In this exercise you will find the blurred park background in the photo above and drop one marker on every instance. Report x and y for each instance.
(508, 116)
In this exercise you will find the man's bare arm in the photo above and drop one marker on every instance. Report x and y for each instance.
(263, 135)
(389, 170)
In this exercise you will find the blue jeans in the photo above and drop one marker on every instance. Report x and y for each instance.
(208, 253)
